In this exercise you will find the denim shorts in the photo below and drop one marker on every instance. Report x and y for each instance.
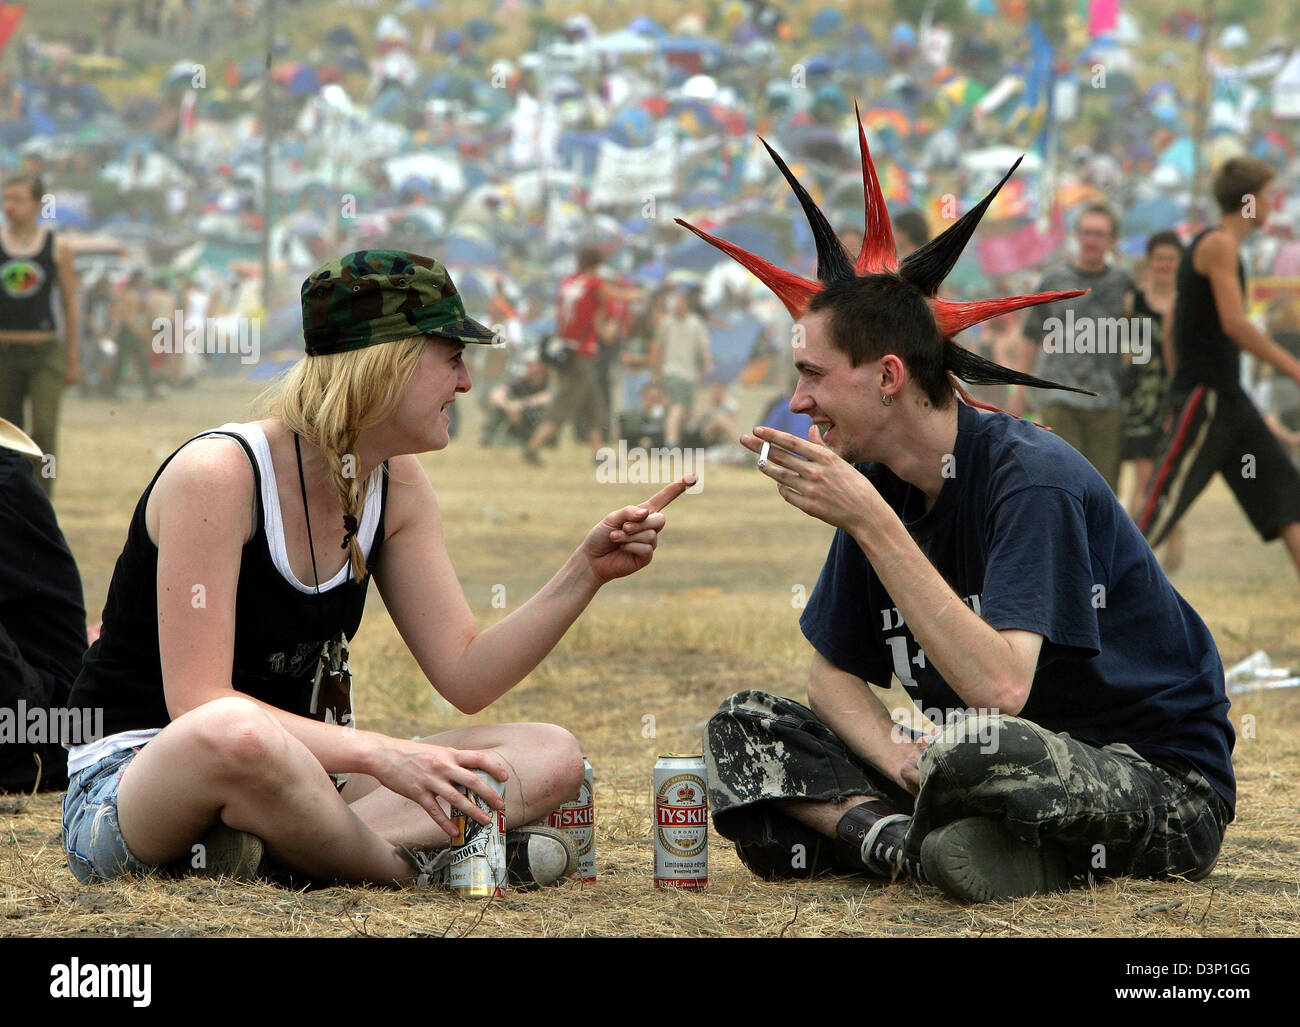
(91, 835)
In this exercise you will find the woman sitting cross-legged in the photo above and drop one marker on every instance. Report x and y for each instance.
(222, 663)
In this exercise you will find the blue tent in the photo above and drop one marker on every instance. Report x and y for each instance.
(778, 416)
(733, 345)
(694, 254)
(1153, 215)
(864, 59)
(652, 273)
(1179, 153)
(458, 249)
(304, 81)
(479, 29)
(581, 150)
(646, 26)
(825, 22)
(632, 127)
(817, 64)
(691, 45)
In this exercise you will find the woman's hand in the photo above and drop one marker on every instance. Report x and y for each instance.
(424, 773)
(625, 540)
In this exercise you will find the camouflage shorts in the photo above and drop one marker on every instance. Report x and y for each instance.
(1112, 811)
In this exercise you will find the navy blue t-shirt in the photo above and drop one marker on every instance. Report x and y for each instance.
(1029, 535)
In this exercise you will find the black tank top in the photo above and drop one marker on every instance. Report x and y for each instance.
(280, 631)
(26, 286)
(1206, 356)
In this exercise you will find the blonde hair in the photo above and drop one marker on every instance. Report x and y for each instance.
(330, 399)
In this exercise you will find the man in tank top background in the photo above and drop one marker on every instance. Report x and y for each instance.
(35, 364)
(1217, 427)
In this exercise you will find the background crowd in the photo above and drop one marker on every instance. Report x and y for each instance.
(508, 137)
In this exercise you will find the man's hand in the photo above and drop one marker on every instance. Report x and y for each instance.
(624, 541)
(909, 774)
(821, 484)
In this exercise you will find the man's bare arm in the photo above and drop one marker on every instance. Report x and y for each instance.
(1216, 258)
(846, 704)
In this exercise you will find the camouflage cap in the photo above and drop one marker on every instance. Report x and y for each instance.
(374, 296)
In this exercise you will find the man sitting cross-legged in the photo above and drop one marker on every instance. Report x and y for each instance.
(986, 564)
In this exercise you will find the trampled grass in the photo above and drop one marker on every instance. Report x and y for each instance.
(714, 613)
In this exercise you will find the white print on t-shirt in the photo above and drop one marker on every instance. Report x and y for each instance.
(305, 652)
(900, 644)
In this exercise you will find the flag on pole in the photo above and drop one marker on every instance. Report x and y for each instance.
(10, 16)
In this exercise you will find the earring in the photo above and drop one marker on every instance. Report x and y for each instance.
(886, 400)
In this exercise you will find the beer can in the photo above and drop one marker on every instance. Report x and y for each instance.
(681, 822)
(578, 820)
(478, 857)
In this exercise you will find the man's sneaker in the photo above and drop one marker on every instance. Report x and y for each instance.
(228, 852)
(537, 856)
(882, 849)
(870, 837)
(531, 456)
(979, 860)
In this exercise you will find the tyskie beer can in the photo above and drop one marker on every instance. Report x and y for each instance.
(577, 819)
(478, 858)
(681, 822)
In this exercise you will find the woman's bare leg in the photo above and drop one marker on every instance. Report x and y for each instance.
(230, 760)
(545, 767)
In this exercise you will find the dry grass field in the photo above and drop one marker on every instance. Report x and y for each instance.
(714, 613)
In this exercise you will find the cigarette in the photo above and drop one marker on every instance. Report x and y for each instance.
(762, 456)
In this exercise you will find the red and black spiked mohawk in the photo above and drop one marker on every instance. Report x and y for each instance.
(924, 270)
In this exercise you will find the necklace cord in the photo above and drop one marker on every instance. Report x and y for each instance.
(297, 448)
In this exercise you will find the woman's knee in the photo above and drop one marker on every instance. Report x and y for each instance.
(565, 755)
(236, 738)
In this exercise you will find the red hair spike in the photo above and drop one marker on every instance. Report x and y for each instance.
(953, 317)
(791, 289)
(879, 251)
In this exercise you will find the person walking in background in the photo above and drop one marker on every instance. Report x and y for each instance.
(1091, 424)
(683, 339)
(128, 324)
(35, 364)
(1146, 385)
(577, 394)
(1217, 429)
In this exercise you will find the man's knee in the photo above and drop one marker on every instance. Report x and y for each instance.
(981, 749)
